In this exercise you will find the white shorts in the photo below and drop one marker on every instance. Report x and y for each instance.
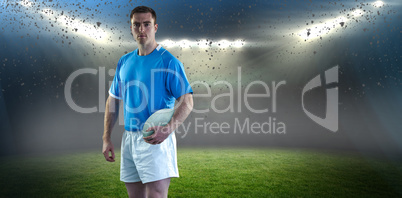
(141, 161)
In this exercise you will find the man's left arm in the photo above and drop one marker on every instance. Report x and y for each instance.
(185, 106)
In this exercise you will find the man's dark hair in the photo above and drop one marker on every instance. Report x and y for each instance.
(143, 9)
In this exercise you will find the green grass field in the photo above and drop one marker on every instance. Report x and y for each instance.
(210, 173)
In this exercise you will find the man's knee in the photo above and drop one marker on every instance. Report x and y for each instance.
(157, 192)
(158, 188)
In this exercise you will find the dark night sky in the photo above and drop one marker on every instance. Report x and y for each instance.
(43, 44)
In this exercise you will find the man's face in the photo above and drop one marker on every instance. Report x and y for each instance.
(143, 28)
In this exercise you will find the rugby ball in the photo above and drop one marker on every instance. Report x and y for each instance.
(159, 118)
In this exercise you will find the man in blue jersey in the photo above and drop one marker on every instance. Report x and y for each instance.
(146, 80)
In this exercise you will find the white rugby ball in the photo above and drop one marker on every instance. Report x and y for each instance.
(159, 118)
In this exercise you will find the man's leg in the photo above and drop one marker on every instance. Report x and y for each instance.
(136, 189)
(158, 189)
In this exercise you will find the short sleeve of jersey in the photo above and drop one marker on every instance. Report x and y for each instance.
(177, 82)
(115, 88)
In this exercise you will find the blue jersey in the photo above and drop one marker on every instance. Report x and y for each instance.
(147, 84)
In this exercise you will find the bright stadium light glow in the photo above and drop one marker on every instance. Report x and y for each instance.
(74, 25)
(168, 43)
(238, 43)
(357, 13)
(78, 27)
(184, 43)
(317, 31)
(224, 44)
(322, 29)
(26, 3)
(378, 4)
(48, 12)
(203, 43)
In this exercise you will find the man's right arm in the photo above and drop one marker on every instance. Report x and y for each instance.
(111, 114)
